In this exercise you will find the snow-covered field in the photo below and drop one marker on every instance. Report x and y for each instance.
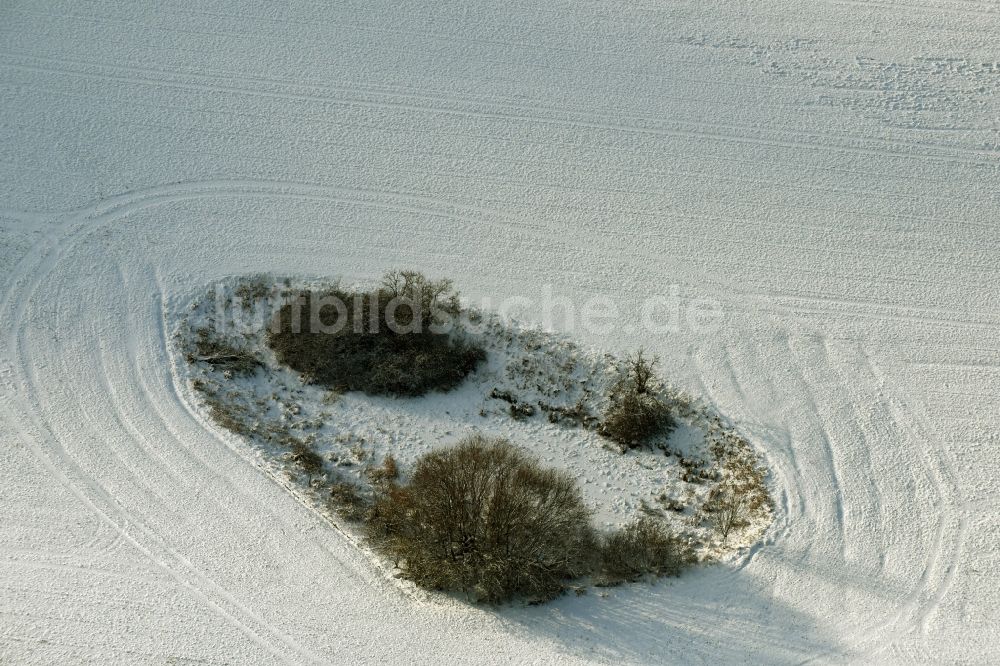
(827, 172)
(535, 388)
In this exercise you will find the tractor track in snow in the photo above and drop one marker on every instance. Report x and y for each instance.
(827, 175)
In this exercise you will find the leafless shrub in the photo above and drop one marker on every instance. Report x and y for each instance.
(432, 301)
(695, 471)
(635, 412)
(486, 519)
(578, 414)
(641, 371)
(232, 417)
(632, 419)
(645, 546)
(741, 494)
(672, 504)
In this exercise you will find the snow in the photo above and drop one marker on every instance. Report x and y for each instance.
(826, 172)
(353, 433)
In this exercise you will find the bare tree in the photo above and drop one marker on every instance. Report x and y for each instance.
(431, 301)
(641, 371)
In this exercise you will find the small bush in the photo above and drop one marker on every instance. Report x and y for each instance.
(645, 546)
(635, 412)
(486, 519)
(738, 498)
(641, 372)
(391, 341)
(727, 509)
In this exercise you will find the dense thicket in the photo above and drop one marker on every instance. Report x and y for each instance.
(485, 518)
(398, 339)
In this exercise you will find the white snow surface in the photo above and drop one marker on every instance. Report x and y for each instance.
(826, 171)
(540, 371)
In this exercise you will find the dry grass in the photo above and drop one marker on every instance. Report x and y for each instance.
(253, 287)
(347, 501)
(305, 458)
(387, 472)
(211, 348)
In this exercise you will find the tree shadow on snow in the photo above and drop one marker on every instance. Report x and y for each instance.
(711, 616)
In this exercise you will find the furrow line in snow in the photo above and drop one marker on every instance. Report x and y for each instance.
(721, 133)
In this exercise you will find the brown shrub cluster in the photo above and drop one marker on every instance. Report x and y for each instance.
(645, 546)
(394, 340)
(484, 518)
